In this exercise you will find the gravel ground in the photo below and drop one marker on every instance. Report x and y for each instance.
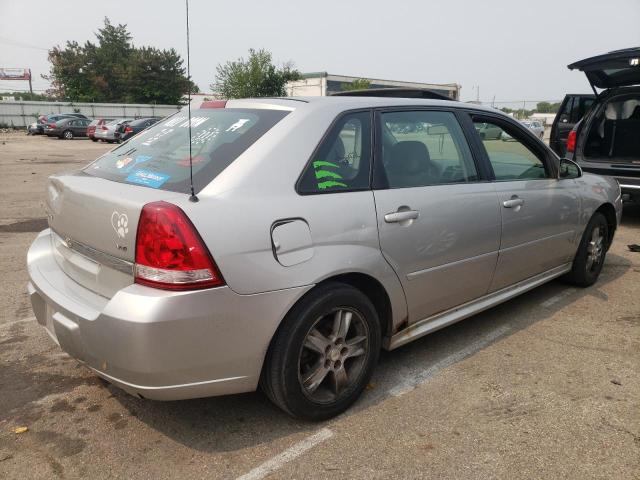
(543, 386)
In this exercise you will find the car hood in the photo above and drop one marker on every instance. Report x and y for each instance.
(620, 68)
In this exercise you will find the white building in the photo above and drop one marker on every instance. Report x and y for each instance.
(318, 84)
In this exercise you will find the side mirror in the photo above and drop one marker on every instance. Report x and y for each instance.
(568, 169)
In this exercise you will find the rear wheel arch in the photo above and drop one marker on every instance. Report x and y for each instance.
(375, 292)
(609, 213)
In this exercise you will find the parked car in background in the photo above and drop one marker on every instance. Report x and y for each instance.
(607, 139)
(535, 126)
(108, 132)
(128, 130)
(97, 123)
(303, 256)
(571, 110)
(67, 128)
(44, 120)
(33, 129)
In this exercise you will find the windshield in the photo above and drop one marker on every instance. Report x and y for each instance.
(159, 156)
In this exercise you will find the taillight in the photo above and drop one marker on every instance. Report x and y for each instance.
(571, 141)
(104, 128)
(52, 125)
(170, 253)
(128, 130)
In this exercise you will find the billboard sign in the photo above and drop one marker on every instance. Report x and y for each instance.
(15, 74)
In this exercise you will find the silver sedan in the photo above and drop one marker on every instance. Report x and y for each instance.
(108, 132)
(318, 232)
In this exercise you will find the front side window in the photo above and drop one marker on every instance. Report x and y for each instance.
(343, 159)
(420, 148)
(509, 157)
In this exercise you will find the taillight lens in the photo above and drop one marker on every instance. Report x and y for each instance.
(571, 141)
(170, 253)
(128, 130)
(52, 125)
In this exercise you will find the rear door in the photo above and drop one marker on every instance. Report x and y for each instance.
(573, 108)
(438, 218)
(540, 214)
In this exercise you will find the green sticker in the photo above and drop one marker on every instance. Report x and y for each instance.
(325, 173)
(329, 184)
(320, 174)
(322, 163)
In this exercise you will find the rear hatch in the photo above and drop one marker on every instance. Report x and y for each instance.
(94, 223)
(619, 68)
(94, 213)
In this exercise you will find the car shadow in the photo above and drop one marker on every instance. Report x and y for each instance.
(226, 424)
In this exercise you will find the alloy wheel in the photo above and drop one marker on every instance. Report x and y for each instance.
(333, 355)
(595, 249)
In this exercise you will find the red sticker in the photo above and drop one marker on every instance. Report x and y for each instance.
(185, 161)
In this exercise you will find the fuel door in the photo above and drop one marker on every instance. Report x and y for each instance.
(291, 241)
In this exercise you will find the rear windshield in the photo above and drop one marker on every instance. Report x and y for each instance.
(159, 156)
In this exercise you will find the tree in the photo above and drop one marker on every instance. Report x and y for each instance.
(359, 84)
(256, 76)
(546, 107)
(114, 70)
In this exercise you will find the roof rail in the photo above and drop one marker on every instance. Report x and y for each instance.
(394, 92)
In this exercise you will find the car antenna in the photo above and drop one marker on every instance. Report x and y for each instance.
(193, 197)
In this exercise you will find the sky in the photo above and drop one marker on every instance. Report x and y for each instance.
(512, 50)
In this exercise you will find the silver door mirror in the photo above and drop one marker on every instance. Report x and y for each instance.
(568, 169)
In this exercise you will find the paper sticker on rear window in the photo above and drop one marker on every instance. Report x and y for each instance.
(147, 178)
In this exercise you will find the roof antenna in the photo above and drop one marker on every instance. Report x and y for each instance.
(193, 197)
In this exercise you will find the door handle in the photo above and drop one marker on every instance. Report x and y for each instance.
(401, 216)
(513, 203)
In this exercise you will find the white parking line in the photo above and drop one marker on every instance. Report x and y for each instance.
(289, 454)
(557, 298)
(409, 383)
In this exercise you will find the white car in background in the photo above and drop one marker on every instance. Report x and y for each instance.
(109, 131)
(535, 126)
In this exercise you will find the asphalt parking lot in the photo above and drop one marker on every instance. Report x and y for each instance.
(544, 386)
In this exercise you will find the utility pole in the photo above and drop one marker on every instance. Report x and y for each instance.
(30, 85)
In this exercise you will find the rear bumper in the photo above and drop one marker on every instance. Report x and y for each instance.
(153, 343)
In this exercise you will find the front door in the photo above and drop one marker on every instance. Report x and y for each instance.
(438, 221)
(540, 213)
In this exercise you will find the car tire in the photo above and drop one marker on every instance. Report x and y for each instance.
(67, 134)
(591, 253)
(330, 334)
(94, 139)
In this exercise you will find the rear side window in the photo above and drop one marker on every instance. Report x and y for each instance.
(159, 157)
(422, 148)
(342, 161)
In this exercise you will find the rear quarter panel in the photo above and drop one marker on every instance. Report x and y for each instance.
(595, 191)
